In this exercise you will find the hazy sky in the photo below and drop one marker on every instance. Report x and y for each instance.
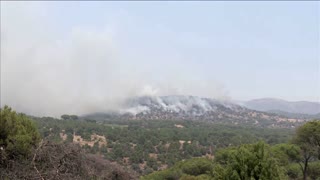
(85, 56)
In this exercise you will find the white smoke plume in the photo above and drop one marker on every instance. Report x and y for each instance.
(84, 69)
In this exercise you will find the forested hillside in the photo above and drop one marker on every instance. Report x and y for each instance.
(147, 146)
(158, 149)
(25, 154)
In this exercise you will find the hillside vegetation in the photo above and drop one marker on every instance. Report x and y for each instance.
(299, 159)
(24, 156)
(148, 146)
(77, 148)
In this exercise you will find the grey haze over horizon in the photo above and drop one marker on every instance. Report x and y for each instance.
(81, 57)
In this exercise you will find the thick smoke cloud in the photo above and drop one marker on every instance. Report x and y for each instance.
(84, 69)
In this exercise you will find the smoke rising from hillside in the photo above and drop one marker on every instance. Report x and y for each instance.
(44, 72)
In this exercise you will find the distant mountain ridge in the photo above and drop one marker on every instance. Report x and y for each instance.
(195, 108)
(271, 104)
(295, 115)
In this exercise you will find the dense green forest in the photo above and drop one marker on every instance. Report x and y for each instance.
(153, 149)
(148, 146)
(299, 159)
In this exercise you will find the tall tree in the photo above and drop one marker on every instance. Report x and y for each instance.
(18, 134)
(308, 139)
(250, 161)
(65, 117)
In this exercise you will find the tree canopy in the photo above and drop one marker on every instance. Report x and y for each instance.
(249, 161)
(308, 139)
(18, 134)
